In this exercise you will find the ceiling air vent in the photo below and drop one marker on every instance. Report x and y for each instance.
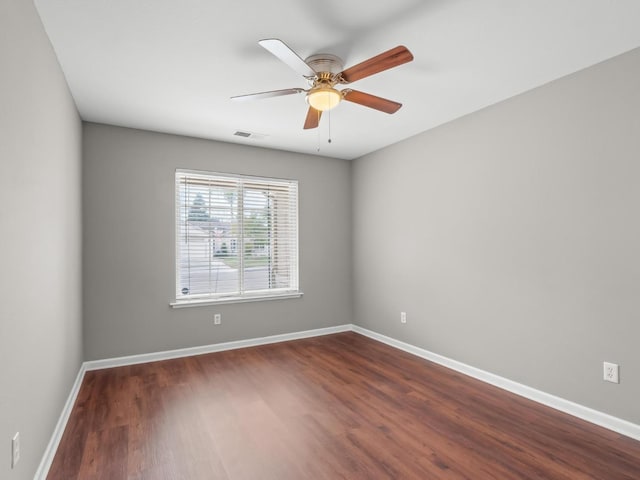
(251, 135)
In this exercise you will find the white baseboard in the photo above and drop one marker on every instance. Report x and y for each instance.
(216, 347)
(585, 413)
(52, 447)
(604, 420)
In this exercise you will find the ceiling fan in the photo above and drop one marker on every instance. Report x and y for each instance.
(324, 72)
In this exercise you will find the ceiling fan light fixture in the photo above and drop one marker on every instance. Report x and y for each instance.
(324, 98)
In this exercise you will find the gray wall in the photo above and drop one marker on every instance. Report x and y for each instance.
(511, 238)
(129, 251)
(40, 215)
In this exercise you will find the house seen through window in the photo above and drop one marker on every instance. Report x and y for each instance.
(236, 236)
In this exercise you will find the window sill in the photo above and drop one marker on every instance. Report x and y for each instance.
(223, 300)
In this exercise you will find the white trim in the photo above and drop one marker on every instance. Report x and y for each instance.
(243, 299)
(605, 420)
(216, 347)
(52, 447)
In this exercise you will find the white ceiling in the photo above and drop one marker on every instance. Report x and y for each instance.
(171, 65)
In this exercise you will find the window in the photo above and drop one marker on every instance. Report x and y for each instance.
(236, 238)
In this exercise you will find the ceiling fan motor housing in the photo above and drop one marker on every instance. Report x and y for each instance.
(325, 62)
(322, 95)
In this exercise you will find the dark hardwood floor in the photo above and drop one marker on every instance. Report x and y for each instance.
(335, 407)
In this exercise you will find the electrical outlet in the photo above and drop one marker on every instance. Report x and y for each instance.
(217, 319)
(403, 317)
(611, 372)
(15, 450)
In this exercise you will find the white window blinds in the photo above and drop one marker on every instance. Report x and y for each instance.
(236, 236)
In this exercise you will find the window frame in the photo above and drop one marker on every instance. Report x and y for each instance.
(293, 291)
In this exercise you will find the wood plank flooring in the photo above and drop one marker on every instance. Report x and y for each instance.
(336, 407)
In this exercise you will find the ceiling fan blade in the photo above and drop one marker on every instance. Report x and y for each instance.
(379, 63)
(371, 101)
(313, 118)
(272, 93)
(283, 52)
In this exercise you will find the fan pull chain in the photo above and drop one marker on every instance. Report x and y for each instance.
(318, 130)
(329, 127)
